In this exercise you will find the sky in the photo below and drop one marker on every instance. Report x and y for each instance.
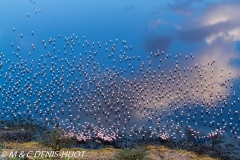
(172, 26)
(208, 29)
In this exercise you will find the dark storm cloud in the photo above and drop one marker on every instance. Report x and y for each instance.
(201, 33)
(212, 21)
(161, 42)
(195, 35)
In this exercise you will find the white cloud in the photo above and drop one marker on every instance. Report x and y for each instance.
(221, 13)
(213, 37)
(227, 15)
(229, 35)
(234, 34)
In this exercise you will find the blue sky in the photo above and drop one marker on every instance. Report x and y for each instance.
(148, 25)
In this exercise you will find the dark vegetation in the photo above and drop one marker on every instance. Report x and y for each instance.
(21, 130)
(27, 130)
(132, 154)
(57, 140)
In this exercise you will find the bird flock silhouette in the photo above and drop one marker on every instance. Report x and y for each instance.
(157, 96)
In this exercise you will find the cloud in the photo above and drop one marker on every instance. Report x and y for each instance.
(212, 82)
(157, 23)
(226, 15)
(200, 33)
(223, 53)
(215, 21)
(161, 42)
(222, 12)
(230, 35)
(234, 34)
